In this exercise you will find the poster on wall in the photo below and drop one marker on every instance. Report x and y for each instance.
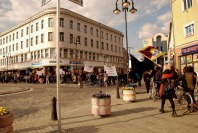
(183, 60)
(196, 67)
(195, 57)
(189, 58)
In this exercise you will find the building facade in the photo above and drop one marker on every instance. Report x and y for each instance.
(159, 41)
(32, 44)
(185, 35)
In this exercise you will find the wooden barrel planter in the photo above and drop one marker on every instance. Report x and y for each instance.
(129, 95)
(101, 107)
(6, 123)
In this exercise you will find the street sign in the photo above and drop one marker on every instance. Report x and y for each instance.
(78, 2)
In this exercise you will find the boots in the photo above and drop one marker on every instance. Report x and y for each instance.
(161, 110)
(174, 114)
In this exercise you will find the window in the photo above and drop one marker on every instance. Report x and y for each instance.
(32, 28)
(17, 46)
(27, 30)
(85, 41)
(71, 38)
(103, 45)
(31, 41)
(62, 36)
(107, 36)
(78, 26)
(27, 43)
(85, 28)
(189, 30)
(42, 38)
(115, 39)
(187, 4)
(12, 47)
(22, 33)
(97, 44)
(6, 39)
(37, 26)
(102, 34)
(21, 44)
(42, 54)
(42, 24)
(50, 36)
(61, 22)
(97, 32)
(50, 22)
(71, 24)
(91, 42)
(17, 35)
(46, 53)
(65, 53)
(13, 36)
(78, 39)
(107, 46)
(36, 39)
(91, 30)
(116, 48)
(111, 47)
(111, 37)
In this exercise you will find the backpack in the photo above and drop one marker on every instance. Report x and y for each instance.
(158, 76)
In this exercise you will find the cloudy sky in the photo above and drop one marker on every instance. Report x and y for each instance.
(153, 16)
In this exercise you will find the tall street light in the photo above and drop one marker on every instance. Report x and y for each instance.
(7, 56)
(125, 5)
(75, 41)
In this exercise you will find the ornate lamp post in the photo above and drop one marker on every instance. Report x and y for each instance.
(7, 56)
(75, 41)
(125, 6)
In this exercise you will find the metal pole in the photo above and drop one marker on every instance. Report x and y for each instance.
(126, 36)
(76, 61)
(7, 64)
(58, 64)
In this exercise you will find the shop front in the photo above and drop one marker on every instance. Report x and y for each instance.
(189, 57)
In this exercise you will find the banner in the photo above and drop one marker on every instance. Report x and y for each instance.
(88, 69)
(111, 71)
(151, 52)
(45, 2)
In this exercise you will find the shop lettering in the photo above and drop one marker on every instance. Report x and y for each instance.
(192, 49)
(53, 61)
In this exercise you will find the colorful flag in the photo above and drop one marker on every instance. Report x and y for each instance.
(151, 52)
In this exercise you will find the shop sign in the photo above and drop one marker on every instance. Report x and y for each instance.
(190, 50)
(37, 63)
(76, 62)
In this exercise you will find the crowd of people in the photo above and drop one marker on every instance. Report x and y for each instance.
(166, 81)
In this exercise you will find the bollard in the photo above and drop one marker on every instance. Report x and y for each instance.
(54, 112)
(117, 92)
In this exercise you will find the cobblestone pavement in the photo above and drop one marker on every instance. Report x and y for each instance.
(32, 111)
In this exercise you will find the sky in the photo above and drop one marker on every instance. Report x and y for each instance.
(152, 16)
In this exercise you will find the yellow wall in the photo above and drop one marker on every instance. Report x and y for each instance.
(180, 19)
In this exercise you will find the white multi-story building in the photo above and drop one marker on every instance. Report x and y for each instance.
(32, 43)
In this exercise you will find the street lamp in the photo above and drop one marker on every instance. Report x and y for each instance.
(125, 5)
(75, 41)
(7, 56)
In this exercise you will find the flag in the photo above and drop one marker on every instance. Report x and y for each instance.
(45, 2)
(139, 67)
(151, 52)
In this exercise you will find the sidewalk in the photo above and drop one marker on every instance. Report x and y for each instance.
(142, 116)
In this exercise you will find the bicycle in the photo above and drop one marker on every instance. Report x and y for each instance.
(183, 102)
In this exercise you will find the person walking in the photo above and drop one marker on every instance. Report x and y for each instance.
(105, 79)
(167, 91)
(147, 80)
